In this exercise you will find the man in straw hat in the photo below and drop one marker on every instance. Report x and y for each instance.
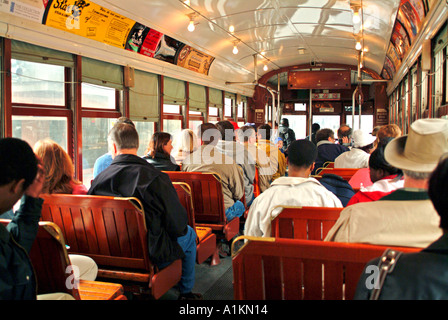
(405, 217)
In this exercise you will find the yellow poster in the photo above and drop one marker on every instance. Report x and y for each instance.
(195, 60)
(89, 20)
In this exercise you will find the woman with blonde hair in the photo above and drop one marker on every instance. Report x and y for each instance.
(185, 143)
(387, 131)
(59, 178)
(59, 169)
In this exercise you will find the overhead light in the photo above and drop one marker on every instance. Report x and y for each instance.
(235, 48)
(358, 45)
(231, 28)
(265, 68)
(356, 17)
(301, 50)
(191, 26)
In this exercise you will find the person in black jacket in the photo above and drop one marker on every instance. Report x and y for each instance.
(159, 152)
(169, 235)
(287, 134)
(20, 175)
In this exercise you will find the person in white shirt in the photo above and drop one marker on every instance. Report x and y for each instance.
(297, 189)
(358, 156)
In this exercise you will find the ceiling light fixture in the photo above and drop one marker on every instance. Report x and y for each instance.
(191, 26)
(358, 45)
(235, 48)
(265, 68)
(231, 29)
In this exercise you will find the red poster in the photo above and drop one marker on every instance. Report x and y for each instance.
(151, 43)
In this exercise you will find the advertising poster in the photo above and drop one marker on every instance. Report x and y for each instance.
(400, 39)
(393, 56)
(168, 49)
(87, 19)
(409, 17)
(195, 60)
(28, 9)
(151, 43)
(388, 65)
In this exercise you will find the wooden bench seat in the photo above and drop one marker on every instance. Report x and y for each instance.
(345, 173)
(206, 239)
(295, 269)
(208, 202)
(112, 231)
(312, 223)
(51, 263)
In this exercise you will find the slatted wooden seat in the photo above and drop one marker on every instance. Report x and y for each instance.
(51, 263)
(345, 173)
(208, 202)
(312, 223)
(113, 232)
(294, 269)
(206, 239)
(257, 182)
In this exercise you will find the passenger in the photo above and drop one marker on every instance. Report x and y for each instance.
(358, 155)
(276, 157)
(338, 186)
(314, 128)
(169, 235)
(240, 156)
(184, 143)
(327, 149)
(279, 143)
(60, 179)
(385, 177)
(345, 135)
(247, 137)
(208, 159)
(106, 159)
(287, 134)
(298, 189)
(59, 169)
(375, 130)
(405, 217)
(159, 152)
(387, 131)
(421, 275)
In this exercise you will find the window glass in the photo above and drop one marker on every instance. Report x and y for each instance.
(298, 124)
(37, 83)
(172, 126)
(33, 128)
(171, 108)
(98, 97)
(212, 111)
(331, 122)
(366, 122)
(240, 110)
(145, 131)
(94, 143)
(194, 124)
(299, 106)
(228, 107)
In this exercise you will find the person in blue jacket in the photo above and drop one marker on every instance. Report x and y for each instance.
(21, 176)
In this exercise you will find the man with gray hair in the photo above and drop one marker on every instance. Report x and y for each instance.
(405, 217)
(169, 235)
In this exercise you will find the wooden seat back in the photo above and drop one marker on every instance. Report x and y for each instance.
(312, 223)
(50, 260)
(112, 231)
(206, 240)
(208, 201)
(295, 269)
(257, 182)
(345, 173)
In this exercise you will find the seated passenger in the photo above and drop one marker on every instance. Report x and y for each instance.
(420, 275)
(184, 143)
(385, 178)
(106, 159)
(405, 217)
(159, 152)
(208, 159)
(169, 235)
(358, 155)
(387, 131)
(247, 137)
(240, 156)
(59, 178)
(327, 149)
(345, 135)
(297, 189)
(276, 157)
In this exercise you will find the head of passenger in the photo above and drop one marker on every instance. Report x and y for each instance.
(58, 166)
(363, 141)
(418, 153)
(387, 131)
(284, 122)
(161, 143)
(315, 127)
(226, 130)
(438, 192)
(124, 139)
(375, 130)
(264, 132)
(344, 133)
(119, 120)
(301, 157)
(325, 134)
(247, 134)
(208, 134)
(378, 166)
(18, 168)
(186, 141)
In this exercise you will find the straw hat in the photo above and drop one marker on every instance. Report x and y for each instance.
(421, 149)
(361, 139)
